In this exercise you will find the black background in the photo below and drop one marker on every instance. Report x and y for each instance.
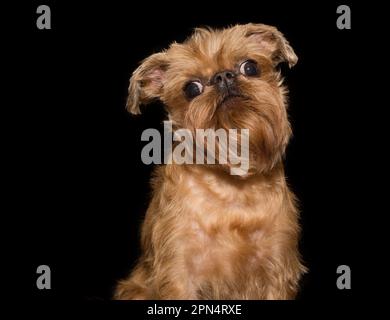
(82, 188)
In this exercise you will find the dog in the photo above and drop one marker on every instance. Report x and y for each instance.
(208, 234)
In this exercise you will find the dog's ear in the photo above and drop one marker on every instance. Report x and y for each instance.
(147, 81)
(272, 41)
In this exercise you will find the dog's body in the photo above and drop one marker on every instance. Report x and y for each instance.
(208, 234)
(207, 237)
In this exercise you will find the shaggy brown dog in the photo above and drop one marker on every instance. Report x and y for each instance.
(209, 234)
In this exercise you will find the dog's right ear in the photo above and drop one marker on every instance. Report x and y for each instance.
(147, 82)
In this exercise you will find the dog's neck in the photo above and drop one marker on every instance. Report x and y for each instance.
(220, 184)
(200, 191)
(210, 174)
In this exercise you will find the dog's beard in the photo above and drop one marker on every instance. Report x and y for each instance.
(262, 112)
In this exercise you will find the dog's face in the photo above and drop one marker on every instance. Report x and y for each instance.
(223, 79)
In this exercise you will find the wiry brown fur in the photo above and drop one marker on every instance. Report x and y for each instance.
(208, 234)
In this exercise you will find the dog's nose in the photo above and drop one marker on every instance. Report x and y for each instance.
(224, 79)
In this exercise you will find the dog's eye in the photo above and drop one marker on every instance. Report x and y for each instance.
(249, 68)
(193, 89)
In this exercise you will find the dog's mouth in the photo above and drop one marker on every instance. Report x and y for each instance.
(230, 100)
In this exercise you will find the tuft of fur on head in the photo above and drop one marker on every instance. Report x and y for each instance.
(260, 105)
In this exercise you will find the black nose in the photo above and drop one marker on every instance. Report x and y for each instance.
(224, 79)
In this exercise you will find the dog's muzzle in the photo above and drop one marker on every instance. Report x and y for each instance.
(225, 82)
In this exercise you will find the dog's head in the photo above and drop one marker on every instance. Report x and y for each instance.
(223, 79)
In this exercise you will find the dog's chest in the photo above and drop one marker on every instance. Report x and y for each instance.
(227, 230)
(217, 253)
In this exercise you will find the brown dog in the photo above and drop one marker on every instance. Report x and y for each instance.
(209, 234)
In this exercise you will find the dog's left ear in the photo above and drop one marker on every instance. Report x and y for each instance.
(272, 41)
(147, 82)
